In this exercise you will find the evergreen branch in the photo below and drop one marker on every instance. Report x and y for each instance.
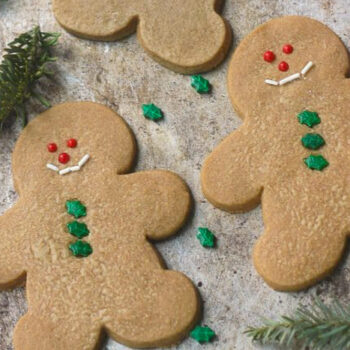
(320, 327)
(23, 65)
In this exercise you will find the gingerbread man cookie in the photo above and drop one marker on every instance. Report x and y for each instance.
(187, 36)
(287, 80)
(79, 235)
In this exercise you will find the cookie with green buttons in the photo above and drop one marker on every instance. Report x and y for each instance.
(187, 36)
(287, 81)
(80, 235)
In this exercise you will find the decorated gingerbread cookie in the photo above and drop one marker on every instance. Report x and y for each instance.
(187, 36)
(79, 234)
(287, 80)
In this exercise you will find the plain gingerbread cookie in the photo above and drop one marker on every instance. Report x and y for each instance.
(292, 151)
(119, 285)
(187, 36)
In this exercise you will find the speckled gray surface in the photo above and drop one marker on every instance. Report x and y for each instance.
(122, 76)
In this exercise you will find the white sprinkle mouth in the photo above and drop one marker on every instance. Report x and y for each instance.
(71, 169)
(292, 77)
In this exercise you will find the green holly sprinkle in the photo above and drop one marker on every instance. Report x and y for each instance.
(200, 84)
(316, 162)
(76, 208)
(80, 249)
(206, 237)
(202, 334)
(152, 112)
(78, 229)
(313, 141)
(309, 118)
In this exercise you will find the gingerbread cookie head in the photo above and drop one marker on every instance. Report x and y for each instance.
(187, 36)
(278, 57)
(71, 142)
(287, 80)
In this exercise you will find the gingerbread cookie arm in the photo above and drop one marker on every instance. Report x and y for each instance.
(159, 200)
(185, 36)
(229, 175)
(12, 247)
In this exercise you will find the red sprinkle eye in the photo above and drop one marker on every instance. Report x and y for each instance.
(52, 147)
(288, 49)
(283, 66)
(269, 56)
(64, 158)
(72, 143)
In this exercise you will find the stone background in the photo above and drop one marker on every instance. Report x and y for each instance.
(122, 76)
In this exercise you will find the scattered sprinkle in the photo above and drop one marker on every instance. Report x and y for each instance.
(206, 237)
(202, 334)
(200, 84)
(152, 112)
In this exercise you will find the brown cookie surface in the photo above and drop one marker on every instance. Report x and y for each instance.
(187, 36)
(291, 153)
(117, 283)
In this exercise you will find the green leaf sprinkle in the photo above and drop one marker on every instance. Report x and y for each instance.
(76, 208)
(206, 237)
(202, 334)
(309, 118)
(316, 162)
(152, 112)
(80, 249)
(200, 84)
(78, 229)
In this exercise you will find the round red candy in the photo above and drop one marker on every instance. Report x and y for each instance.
(52, 147)
(269, 56)
(283, 66)
(288, 49)
(72, 143)
(64, 158)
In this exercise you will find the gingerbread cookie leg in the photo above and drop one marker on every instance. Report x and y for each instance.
(160, 200)
(185, 36)
(303, 240)
(167, 309)
(229, 179)
(33, 332)
(13, 247)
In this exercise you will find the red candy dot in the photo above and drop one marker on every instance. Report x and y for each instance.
(72, 143)
(288, 49)
(52, 147)
(269, 56)
(64, 158)
(283, 66)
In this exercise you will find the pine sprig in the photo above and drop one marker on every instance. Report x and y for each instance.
(320, 327)
(23, 65)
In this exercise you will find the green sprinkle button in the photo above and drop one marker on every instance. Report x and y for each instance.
(80, 248)
(316, 162)
(206, 237)
(200, 84)
(202, 334)
(76, 208)
(313, 141)
(152, 112)
(78, 229)
(309, 118)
